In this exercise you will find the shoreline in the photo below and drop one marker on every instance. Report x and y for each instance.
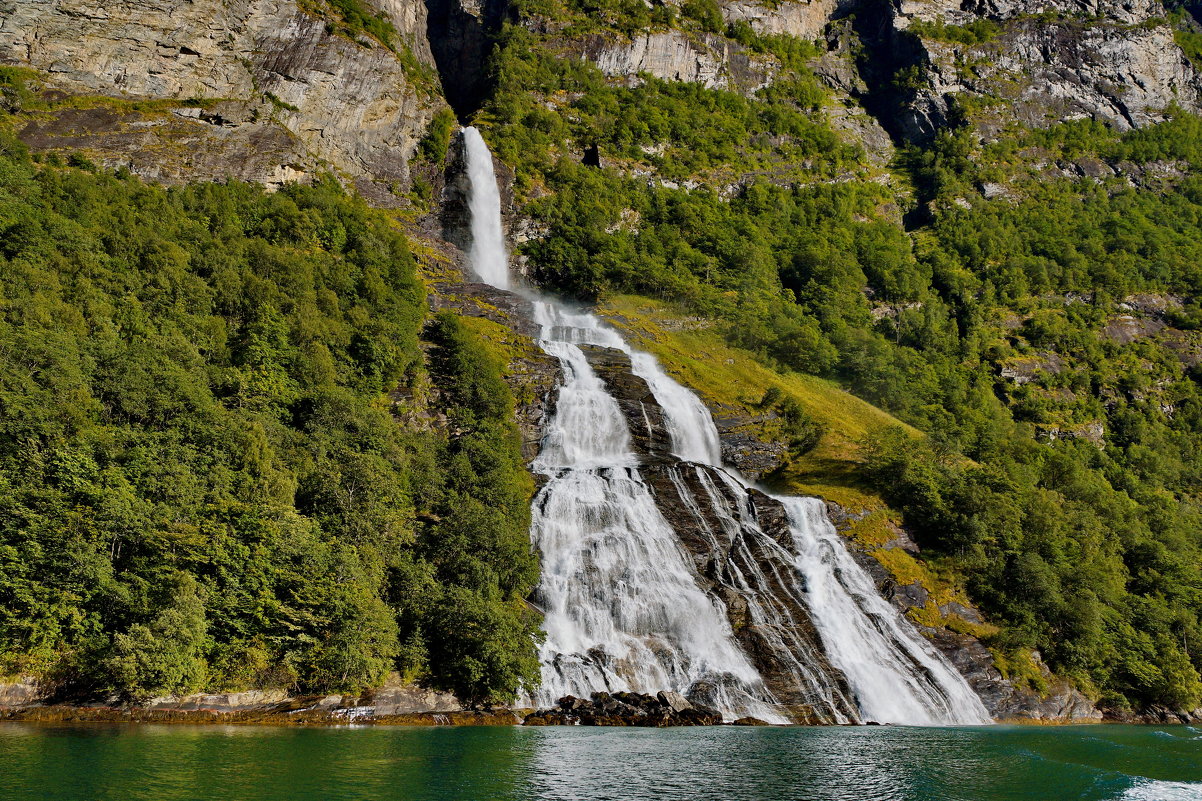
(325, 718)
(298, 717)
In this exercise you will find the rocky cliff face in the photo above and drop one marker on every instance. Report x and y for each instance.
(260, 90)
(276, 90)
(708, 59)
(1037, 63)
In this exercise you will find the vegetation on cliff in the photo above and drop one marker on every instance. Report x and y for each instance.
(1059, 479)
(206, 480)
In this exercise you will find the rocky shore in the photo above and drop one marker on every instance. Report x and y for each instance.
(625, 709)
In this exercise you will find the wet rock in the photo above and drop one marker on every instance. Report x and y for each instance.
(642, 411)
(735, 537)
(674, 701)
(750, 721)
(625, 709)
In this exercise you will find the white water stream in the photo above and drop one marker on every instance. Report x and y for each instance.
(624, 610)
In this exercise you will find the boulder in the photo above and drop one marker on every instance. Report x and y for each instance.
(674, 701)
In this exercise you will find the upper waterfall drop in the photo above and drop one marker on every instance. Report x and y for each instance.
(489, 256)
(627, 607)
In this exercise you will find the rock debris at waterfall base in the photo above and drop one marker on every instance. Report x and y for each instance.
(627, 709)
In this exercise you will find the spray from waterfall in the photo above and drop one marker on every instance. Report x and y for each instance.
(623, 606)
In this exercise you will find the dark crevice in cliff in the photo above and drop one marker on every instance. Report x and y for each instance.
(891, 62)
(461, 35)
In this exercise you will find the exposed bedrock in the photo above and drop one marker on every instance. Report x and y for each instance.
(260, 90)
(738, 543)
(1111, 61)
(643, 414)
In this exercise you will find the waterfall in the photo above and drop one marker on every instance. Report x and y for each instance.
(624, 605)
(488, 255)
(896, 675)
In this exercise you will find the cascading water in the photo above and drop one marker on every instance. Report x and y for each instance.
(488, 256)
(623, 606)
(896, 675)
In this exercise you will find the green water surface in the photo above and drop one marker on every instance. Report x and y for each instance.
(171, 763)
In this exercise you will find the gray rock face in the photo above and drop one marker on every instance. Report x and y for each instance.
(22, 692)
(648, 431)
(805, 20)
(712, 61)
(1112, 61)
(338, 104)
(753, 457)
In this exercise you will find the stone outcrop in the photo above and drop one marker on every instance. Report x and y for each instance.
(22, 692)
(1111, 61)
(741, 448)
(625, 709)
(708, 59)
(1006, 701)
(260, 90)
(648, 432)
(805, 20)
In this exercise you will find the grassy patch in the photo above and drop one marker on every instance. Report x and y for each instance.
(697, 355)
(281, 105)
(1190, 42)
(975, 33)
(503, 343)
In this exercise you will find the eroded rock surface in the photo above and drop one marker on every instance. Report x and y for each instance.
(1112, 61)
(259, 90)
(739, 543)
(708, 59)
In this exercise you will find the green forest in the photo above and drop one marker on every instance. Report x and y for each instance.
(237, 451)
(206, 481)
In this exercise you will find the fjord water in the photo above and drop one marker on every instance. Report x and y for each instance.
(98, 762)
(623, 610)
